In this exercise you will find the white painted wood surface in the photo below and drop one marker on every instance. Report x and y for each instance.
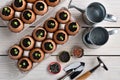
(110, 52)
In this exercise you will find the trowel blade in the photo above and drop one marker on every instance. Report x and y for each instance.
(74, 65)
(73, 70)
(77, 71)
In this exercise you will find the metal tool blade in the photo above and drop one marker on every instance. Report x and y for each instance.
(77, 71)
(76, 66)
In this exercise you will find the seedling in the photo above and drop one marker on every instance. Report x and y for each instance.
(50, 46)
(41, 7)
(40, 35)
(20, 1)
(15, 23)
(37, 55)
(15, 50)
(65, 15)
(52, 24)
(6, 9)
(29, 15)
(74, 26)
(29, 43)
(61, 38)
(24, 63)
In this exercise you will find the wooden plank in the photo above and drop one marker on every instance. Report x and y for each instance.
(41, 73)
(8, 70)
(9, 38)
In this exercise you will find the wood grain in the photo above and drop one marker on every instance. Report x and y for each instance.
(110, 52)
(41, 72)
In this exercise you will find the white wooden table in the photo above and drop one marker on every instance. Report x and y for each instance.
(110, 52)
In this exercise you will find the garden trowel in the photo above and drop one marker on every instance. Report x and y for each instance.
(73, 70)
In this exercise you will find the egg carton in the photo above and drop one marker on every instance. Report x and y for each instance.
(12, 71)
(38, 44)
(8, 38)
(39, 18)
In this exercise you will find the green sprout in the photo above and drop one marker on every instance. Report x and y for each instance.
(50, 46)
(41, 7)
(24, 63)
(61, 38)
(8, 11)
(5, 8)
(74, 26)
(29, 43)
(65, 15)
(15, 23)
(52, 24)
(37, 54)
(20, 1)
(15, 50)
(29, 15)
(40, 35)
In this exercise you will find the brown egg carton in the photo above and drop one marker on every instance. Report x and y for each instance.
(35, 19)
(43, 45)
(11, 70)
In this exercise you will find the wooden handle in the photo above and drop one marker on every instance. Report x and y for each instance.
(84, 76)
